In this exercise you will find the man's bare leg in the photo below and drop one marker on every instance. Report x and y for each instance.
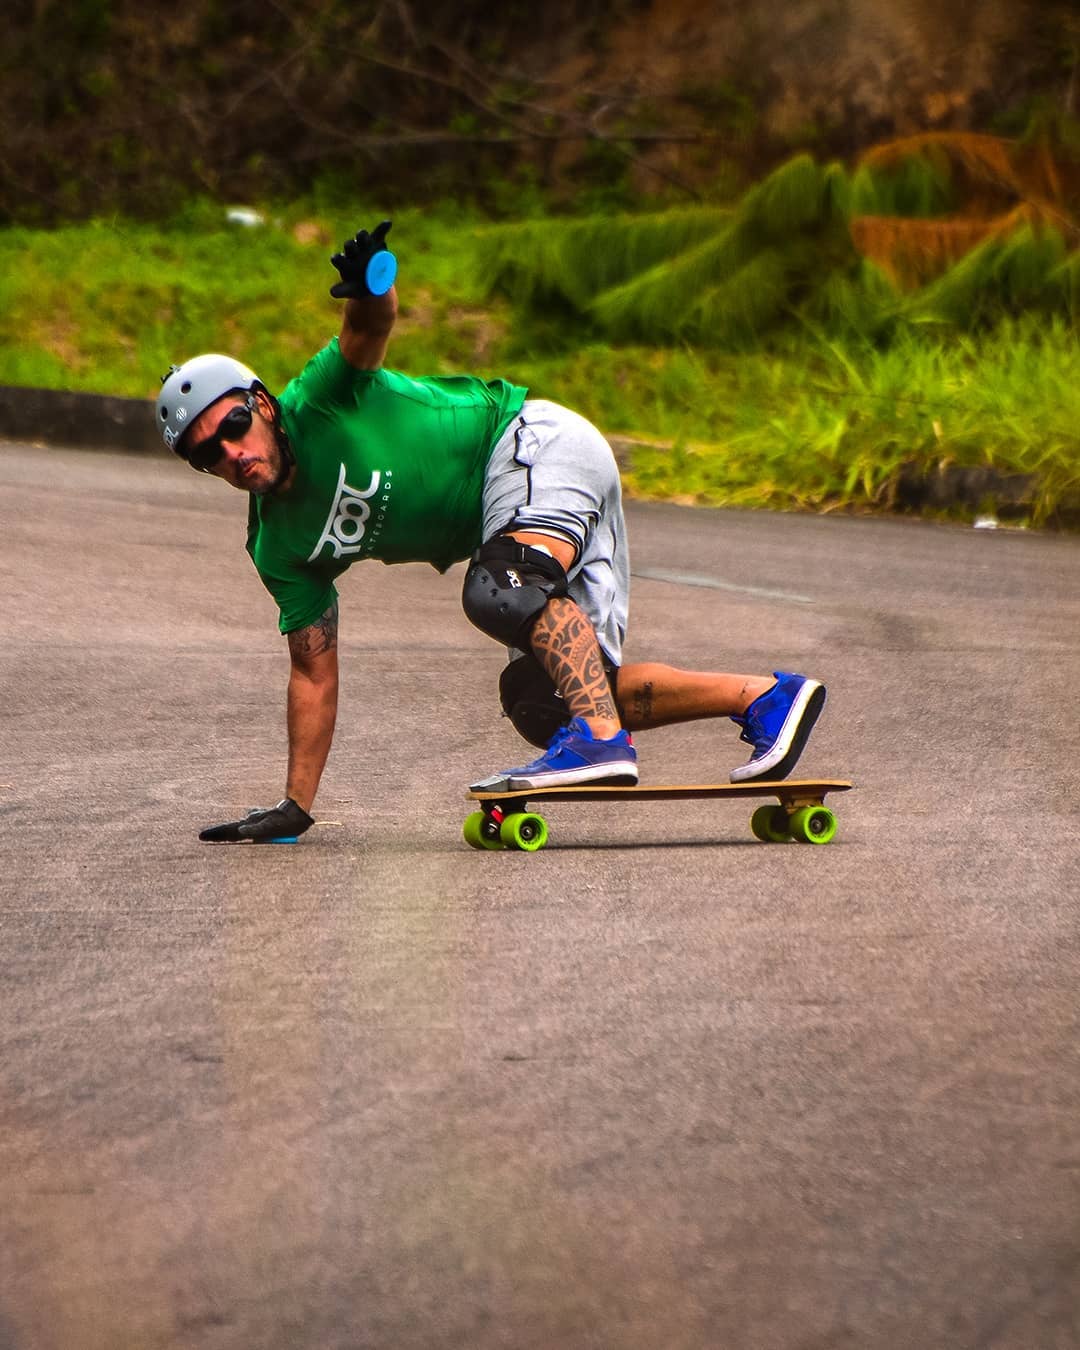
(564, 642)
(655, 695)
(649, 694)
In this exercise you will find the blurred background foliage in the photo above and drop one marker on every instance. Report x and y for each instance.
(803, 253)
(136, 105)
(954, 229)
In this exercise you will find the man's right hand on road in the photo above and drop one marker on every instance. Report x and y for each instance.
(262, 825)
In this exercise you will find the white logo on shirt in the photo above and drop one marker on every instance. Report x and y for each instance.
(347, 522)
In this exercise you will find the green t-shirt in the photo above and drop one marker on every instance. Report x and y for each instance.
(388, 467)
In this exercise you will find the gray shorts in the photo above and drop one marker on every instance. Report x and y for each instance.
(552, 472)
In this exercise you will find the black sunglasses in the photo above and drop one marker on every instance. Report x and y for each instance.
(234, 426)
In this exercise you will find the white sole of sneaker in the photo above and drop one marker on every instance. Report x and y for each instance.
(618, 775)
(793, 724)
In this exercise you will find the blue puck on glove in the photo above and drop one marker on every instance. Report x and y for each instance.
(381, 271)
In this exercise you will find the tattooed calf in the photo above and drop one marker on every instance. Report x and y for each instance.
(564, 643)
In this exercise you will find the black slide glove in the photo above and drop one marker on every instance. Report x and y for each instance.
(262, 825)
(366, 265)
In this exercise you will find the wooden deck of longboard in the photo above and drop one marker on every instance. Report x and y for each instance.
(785, 790)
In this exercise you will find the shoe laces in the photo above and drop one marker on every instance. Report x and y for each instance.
(561, 736)
(751, 729)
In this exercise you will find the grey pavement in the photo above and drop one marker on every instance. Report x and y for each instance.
(658, 1086)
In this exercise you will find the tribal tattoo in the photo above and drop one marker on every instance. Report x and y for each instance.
(564, 643)
(319, 637)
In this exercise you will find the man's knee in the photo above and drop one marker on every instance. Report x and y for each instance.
(534, 706)
(506, 587)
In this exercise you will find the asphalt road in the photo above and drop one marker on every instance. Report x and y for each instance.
(658, 1087)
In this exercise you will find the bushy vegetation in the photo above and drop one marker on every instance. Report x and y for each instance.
(958, 230)
(132, 104)
(912, 316)
(810, 346)
(825, 425)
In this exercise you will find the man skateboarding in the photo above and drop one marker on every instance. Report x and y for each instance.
(354, 460)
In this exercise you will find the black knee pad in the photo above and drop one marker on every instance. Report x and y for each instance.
(533, 704)
(506, 587)
(531, 701)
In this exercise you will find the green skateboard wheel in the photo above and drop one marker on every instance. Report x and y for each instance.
(524, 830)
(770, 824)
(813, 825)
(474, 834)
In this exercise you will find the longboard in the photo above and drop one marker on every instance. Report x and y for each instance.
(504, 820)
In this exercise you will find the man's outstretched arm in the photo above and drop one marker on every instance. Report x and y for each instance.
(312, 704)
(365, 329)
(367, 269)
(312, 712)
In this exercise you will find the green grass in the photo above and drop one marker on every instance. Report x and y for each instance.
(106, 307)
(821, 426)
(809, 421)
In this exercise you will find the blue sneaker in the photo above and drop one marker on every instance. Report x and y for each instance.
(778, 725)
(573, 756)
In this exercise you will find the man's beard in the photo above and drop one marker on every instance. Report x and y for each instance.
(267, 488)
(280, 463)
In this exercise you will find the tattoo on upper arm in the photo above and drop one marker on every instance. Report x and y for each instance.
(319, 637)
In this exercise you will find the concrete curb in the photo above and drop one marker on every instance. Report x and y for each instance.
(96, 421)
(100, 421)
(103, 422)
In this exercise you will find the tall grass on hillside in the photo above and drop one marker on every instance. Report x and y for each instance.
(555, 263)
(959, 229)
(704, 275)
(822, 425)
(822, 416)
